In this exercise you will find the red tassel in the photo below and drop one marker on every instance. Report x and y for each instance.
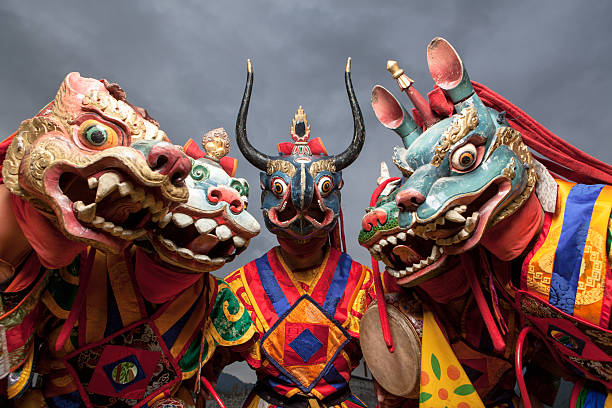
(382, 307)
(498, 342)
(380, 298)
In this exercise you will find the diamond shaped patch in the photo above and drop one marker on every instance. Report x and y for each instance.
(306, 345)
(124, 372)
(304, 342)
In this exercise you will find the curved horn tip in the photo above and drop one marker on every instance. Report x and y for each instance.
(249, 66)
(384, 170)
(348, 64)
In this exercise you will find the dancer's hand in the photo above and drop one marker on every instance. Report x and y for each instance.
(387, 400)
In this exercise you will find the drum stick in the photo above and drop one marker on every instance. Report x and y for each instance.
(212, 391)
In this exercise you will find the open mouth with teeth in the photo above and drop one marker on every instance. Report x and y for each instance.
(105, 208)
(197, 241)
(418, 253)
(317, 214)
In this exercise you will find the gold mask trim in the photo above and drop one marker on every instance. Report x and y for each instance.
(282, 166)
(512, 138)
(463, 123)
(321, 165)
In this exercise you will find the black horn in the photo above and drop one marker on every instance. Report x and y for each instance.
(348, 156)
(255, 157)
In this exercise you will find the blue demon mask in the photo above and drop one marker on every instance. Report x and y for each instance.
(301, 186)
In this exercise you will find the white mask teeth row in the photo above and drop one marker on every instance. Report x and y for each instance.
(188, 254)
(107, 226)
(455, 214)
(436, 253)
(104, 186)
(203, 226)
(111, 181)
(465, 232)
(376, 249)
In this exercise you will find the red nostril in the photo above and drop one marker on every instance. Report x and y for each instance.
(236, 206)
(170, 161)
(409, 200)
(215, 196)
(373, 218)
(228, 195)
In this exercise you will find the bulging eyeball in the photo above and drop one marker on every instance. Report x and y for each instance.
(325, 185)
(96, 135)
(464, 157)
(279, 186)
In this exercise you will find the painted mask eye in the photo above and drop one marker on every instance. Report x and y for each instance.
(325, 185)
(97, 136)
(464, 157)
(279, 186)
(199, 172)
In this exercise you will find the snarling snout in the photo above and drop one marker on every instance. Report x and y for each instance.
(107, 198)
(419, 252)
(212, 227)
(301, 222)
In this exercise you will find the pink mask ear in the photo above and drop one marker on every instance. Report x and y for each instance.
(82, 85)
(192, 150)
(447, 70)
(73, 88)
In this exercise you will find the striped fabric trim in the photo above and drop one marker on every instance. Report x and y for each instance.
(570, 247)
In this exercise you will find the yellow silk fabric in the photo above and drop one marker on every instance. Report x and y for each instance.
(443, 380)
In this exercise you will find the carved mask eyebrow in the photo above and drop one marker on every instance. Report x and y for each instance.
(319, 166)
(280, 165)
(463, 123)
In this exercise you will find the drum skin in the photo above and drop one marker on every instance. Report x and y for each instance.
(398, 372)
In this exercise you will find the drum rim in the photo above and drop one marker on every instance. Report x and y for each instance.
(402, 320)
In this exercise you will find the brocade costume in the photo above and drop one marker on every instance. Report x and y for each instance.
(566, 282)
(127, 351)
(309, 331)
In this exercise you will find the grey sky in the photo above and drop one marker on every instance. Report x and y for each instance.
(185, 62)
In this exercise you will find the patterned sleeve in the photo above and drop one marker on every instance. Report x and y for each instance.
(252, 354)
(364, 295)
(228, 327)
(229, 323)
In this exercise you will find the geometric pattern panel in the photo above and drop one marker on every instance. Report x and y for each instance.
(304, 342)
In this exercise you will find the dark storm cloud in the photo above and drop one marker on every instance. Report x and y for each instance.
(185, 62)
